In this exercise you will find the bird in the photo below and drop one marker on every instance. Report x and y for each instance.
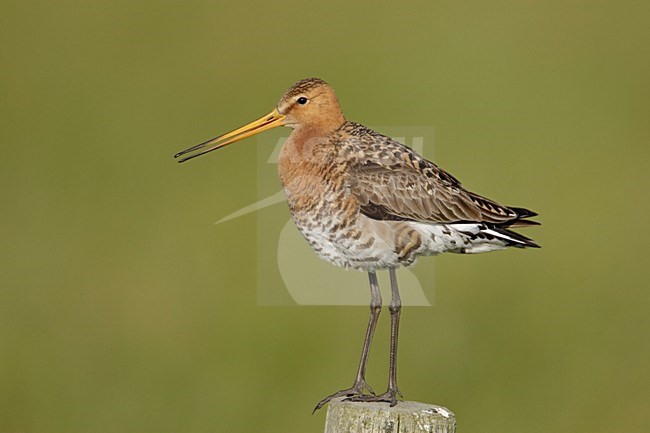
(367, 202)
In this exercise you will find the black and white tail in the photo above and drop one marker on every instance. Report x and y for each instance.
(484, 236)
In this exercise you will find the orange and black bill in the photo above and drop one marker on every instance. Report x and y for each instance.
(271, 120)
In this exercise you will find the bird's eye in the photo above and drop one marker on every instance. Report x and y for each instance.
(302, 100)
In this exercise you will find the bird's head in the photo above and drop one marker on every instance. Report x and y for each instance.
(310, 104)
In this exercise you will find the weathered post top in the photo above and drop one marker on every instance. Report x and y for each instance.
(406, 417)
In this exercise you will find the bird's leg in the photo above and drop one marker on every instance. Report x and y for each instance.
(395, 311)
(360, 380)
(375, 309)
(395, 308)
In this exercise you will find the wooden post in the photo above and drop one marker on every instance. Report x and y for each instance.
(406, 417)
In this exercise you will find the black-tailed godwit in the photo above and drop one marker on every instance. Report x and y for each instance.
(365, 201)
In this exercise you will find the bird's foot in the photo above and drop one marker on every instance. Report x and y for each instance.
(356, 391)
(390, 396)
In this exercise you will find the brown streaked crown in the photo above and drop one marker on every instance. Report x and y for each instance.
(303, 86)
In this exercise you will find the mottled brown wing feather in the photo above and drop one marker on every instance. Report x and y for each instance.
(393, 182)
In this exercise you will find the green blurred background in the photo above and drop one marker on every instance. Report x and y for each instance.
(123, 308)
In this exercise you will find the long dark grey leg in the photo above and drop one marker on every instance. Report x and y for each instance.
(375, 309)
(395, 308)
(395, 311)
(360, 381)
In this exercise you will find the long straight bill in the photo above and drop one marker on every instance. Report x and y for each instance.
(270, 121)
